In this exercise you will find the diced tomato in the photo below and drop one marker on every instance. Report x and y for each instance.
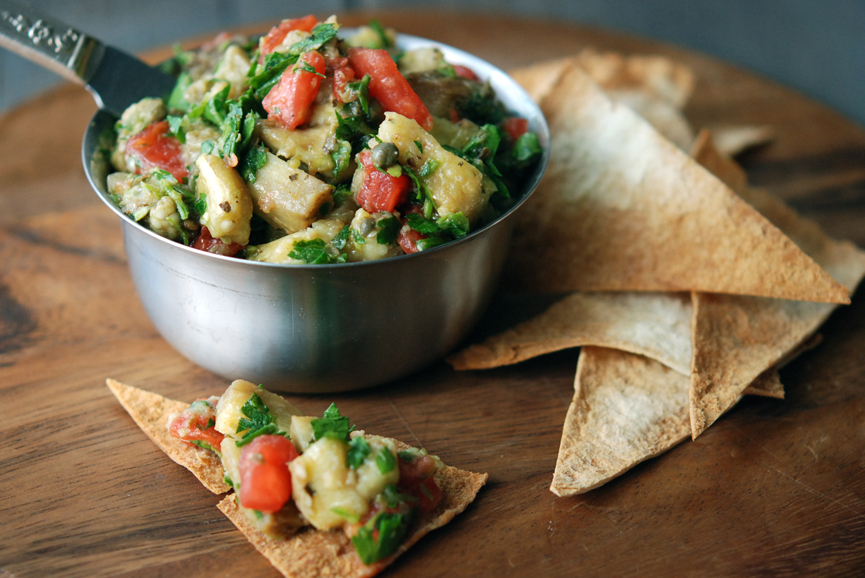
(341, 77)
(206, 242)
(465, 72)
(408, 239)
(196, 424)
(516, 126)
(278, 33)
(455, 116)
(265, 482)
(388, 86)
(155, 148)
(290, 101)
(379, 190)
(417, 478)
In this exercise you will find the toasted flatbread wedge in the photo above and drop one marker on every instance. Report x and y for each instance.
(308, 553)
(151, 412)
(622, 209)
(626, 409)
(657, 325)
(736, 338)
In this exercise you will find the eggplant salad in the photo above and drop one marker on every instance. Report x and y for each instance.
(305, 147)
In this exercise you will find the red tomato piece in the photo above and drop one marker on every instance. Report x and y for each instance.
(388, 86)
(408, 239)
(465, 72)
(516, 126)
(155, 148)
(205, 242)
(417, 478)
(290, 101)
(278, 33)
(265, 482)
(380, 191)
(195, 424)
(341, 77)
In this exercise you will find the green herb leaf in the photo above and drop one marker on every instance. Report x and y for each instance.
(357, 452)
(382, 36)
(527, 148)
(252, 161)
(341, 240)
(393, 498)
(342, 513)
(428, 168)
(385, 461)
(331, 424)
(391, 530)
(305, 66)
(419, 146)
(341, 156)
(320, 35)
(315, 252)
(177, 100)
(200, 204)
(388, 231)
(258, 421)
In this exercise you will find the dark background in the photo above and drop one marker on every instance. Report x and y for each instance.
(815, 46)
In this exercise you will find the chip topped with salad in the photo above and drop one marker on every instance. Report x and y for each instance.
(306, 147)
(312, 494)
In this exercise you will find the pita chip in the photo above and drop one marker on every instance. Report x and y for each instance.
(736, 338)
(657, 325)
(654, 87)
(626, 409)
(309, 552)
(622, 209)
(733, 140)
(152, 413)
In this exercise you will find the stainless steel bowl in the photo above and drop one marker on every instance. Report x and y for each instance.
(320, 328)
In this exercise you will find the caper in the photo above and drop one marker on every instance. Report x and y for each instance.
(385, 155)
(366, 226)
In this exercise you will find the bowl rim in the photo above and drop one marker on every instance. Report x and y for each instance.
(486, 71)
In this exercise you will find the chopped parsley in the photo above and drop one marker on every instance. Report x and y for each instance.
(391, 530)
(258, 421)
(389, 230)
(331, 424)
(357, 452)
(315, 252)
(385, 461)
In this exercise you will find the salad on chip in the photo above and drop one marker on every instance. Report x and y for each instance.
(311, 493)
(306, 147)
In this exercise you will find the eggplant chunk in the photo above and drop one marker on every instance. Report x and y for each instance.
(228, 410)
(456, 185)
(229, 206)
(307, 145)
(327, 491)
(286, 196)
(279, 251)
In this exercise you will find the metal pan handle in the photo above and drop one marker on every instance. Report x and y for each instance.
(49, 42)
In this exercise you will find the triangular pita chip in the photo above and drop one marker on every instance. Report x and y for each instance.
(151, 411)
(308, 553)
(622, 209)
(736, 338)
(657, 325)
(626, 409)
(733, 140)
(654, 87)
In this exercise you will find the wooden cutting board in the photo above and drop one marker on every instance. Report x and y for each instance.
(774, 488)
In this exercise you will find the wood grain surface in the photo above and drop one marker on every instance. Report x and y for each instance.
(774, 488)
